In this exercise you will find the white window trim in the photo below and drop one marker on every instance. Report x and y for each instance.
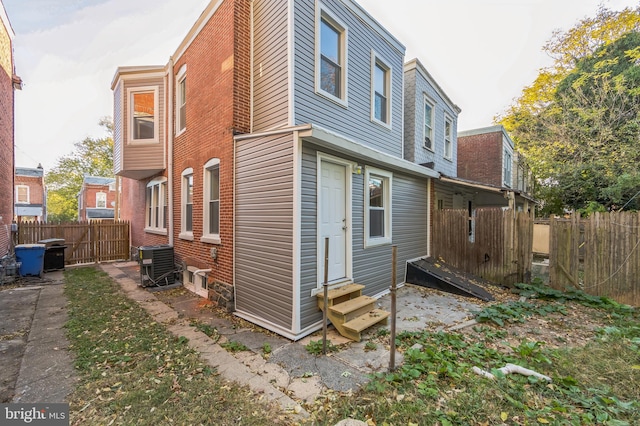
(428, 101)
(388, 177)
(447, 119)
(207, 237)
(160, 230)
(179, 79)
(507, 167)
(323, 13)
(156, 118)
(377, 59)
(103, 195)
(18, 187)
(184, 234)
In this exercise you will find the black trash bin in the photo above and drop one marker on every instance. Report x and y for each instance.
(53, 254)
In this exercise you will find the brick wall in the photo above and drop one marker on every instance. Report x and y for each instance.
(480, 158)
(36, 190)
(6, 141)
(217, 107)
(132, 209)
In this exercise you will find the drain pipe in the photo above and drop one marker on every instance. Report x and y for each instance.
(170, 150)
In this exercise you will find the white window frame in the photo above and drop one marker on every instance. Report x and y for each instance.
(18, 188)
(387, 178)
(208, 237)
(181, 92)
(184, 233)
(507, 162)
(448, 138)
(377, 61)
(156, 117)
(431, 104)
(323, 14)
(155, 206)
(101, 198)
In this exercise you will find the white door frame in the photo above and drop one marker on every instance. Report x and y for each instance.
(348, 167)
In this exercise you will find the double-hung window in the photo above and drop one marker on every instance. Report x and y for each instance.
(143, 121)
(380, 91)
(181, 100)
(22, 194)
(211, 207)
(506, 168)
(156, 206)
(428, 125)
(186, 227)
(448, 138)
(101, 200)
(377, 207)
(331, 57)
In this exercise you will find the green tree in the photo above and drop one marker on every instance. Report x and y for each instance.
(577, 123)
(91, 157)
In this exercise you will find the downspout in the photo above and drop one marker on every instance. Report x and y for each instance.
(170, 149)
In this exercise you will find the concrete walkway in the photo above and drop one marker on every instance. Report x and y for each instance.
(290, 369)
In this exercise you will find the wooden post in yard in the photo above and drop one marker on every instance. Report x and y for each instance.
(392, 354)
(325, 287)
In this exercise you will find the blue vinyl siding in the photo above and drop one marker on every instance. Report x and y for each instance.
(416, 87)
(353, 120)
(371, 266)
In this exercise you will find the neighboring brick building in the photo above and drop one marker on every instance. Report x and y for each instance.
(97, 198)
(9, 82)
(30, 195)
(488, 156)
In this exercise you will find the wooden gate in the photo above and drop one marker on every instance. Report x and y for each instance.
(86, 242)
(494, 244)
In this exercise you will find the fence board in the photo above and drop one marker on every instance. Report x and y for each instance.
(609, 245)
(87, 242)
(493, 244)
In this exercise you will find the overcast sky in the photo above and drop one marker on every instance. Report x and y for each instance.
(481, 52)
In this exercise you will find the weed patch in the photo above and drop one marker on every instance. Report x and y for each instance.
(133, 371)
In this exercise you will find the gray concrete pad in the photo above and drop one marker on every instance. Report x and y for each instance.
(46, 371)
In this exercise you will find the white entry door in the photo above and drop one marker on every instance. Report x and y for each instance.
(333, 220)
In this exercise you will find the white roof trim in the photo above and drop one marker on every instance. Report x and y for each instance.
(346, 146)
(6, 22)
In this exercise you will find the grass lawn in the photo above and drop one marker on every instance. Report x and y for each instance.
(135, 372)
(598, 383)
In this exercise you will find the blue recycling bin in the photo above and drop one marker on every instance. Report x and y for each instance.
(31, 258)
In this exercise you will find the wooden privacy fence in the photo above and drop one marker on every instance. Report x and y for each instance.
(87, 242)
(494, 244)
(599, 255)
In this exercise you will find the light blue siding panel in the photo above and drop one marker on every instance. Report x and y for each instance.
(309, 312)
(264, 229)
(415, 90)
(372, 266)
(353, 121)
(270, 83)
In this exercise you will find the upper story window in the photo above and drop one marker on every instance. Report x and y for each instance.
(22, 194)
(181, 100)
(381, 101)
(101, 200)
(187, 205)
(428, 125)
(377, 207)
(156, 204)
(143, 119)
(506, 168)
(211, 208)
(448, 138)
(331, 57)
